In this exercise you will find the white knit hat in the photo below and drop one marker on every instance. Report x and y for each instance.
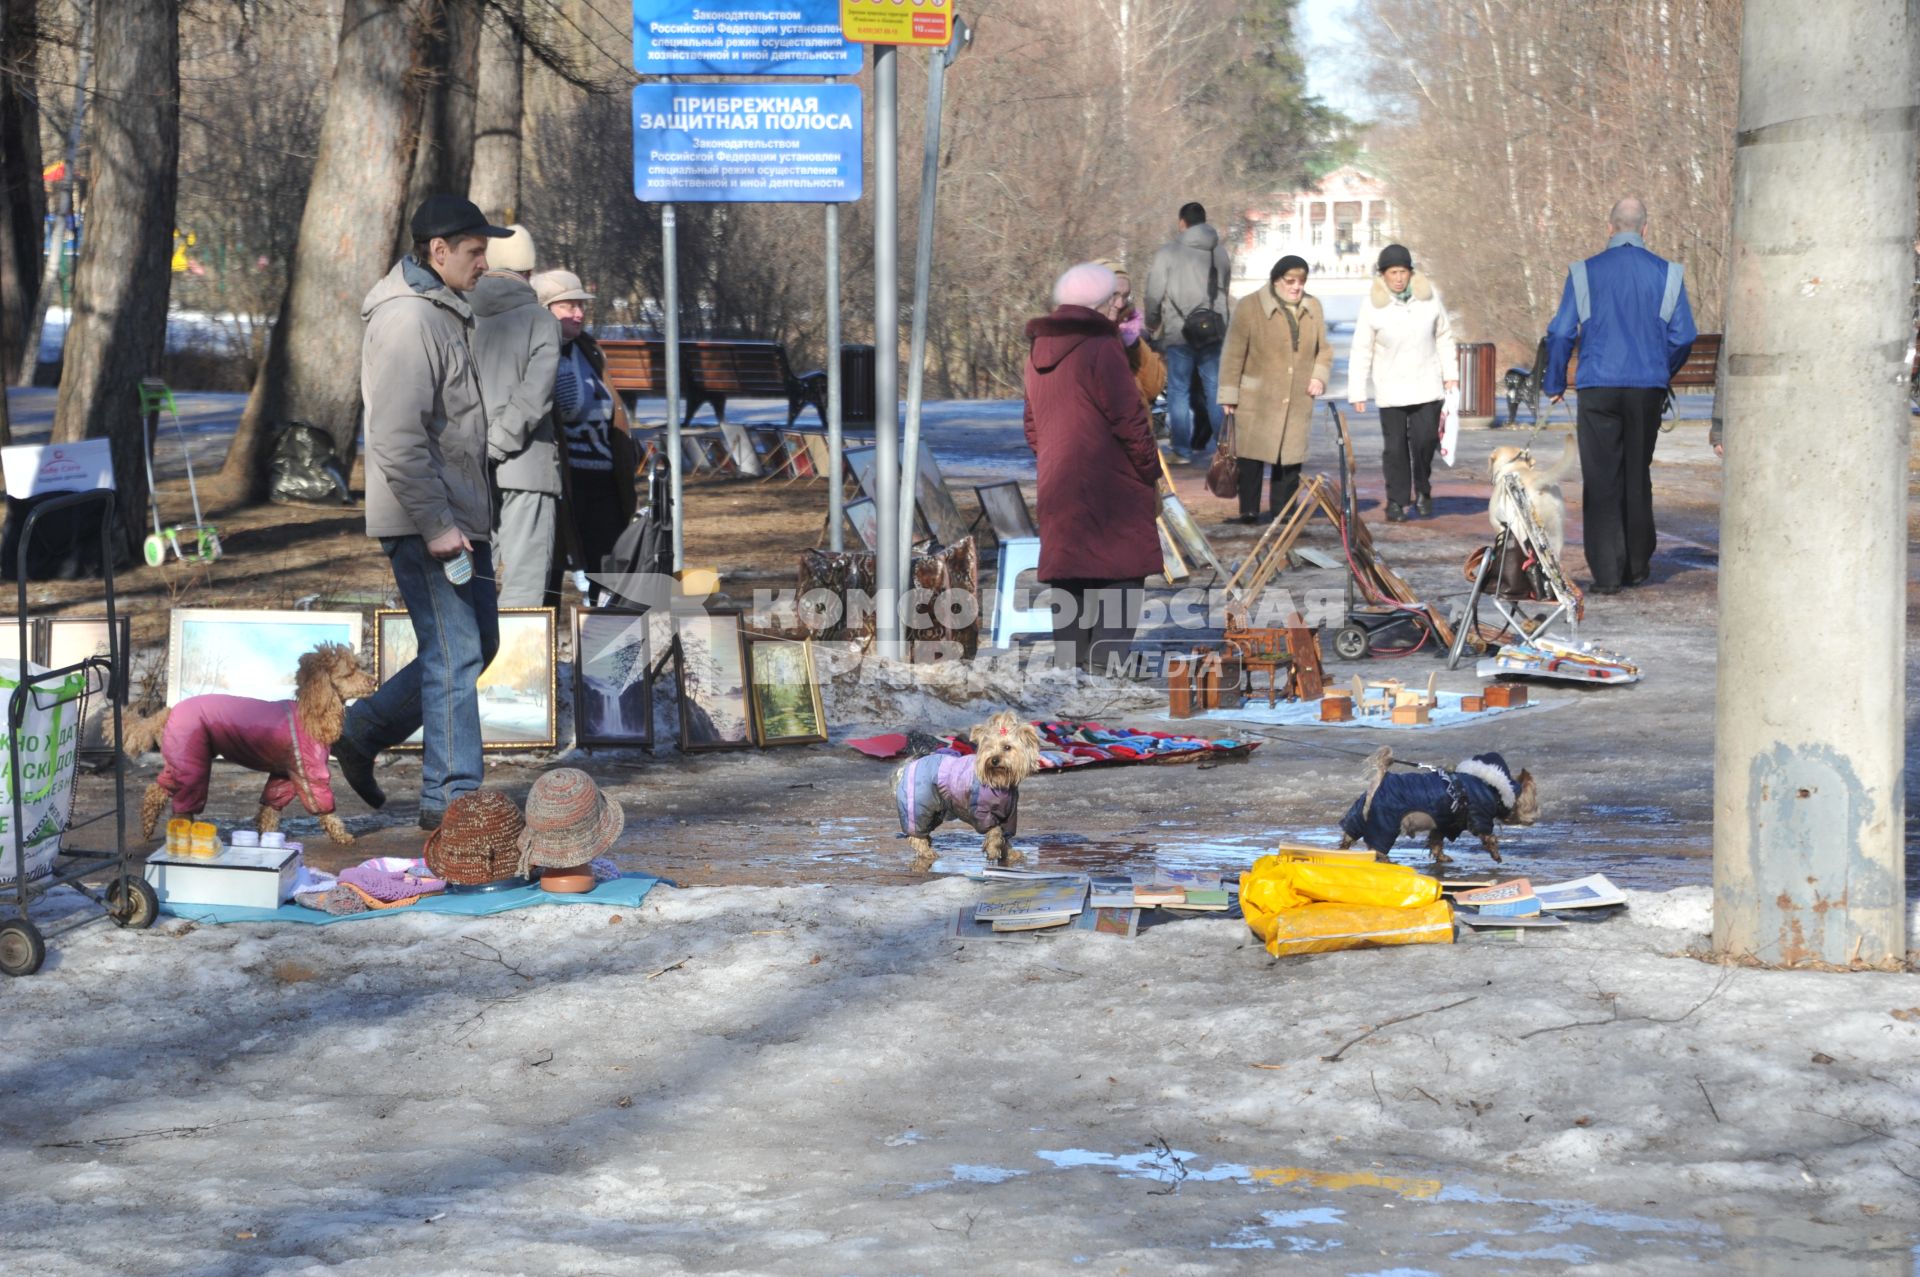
(513, 253)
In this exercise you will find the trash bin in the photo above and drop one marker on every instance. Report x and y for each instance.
(1476, 381)
(856, 386)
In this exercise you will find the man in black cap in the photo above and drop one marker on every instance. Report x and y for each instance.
(429, 505)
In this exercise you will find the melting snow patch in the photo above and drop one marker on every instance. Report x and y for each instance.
(984, 1174)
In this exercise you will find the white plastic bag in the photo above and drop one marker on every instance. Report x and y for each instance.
(1449, 425)
(48, 742)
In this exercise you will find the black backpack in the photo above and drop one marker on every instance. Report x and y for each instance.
(1203, 326)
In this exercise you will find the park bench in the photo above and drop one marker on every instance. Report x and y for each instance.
(712, 370)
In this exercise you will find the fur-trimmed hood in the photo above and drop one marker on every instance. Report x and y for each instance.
(1421, 286)
(1492, 771)
(1055, 336)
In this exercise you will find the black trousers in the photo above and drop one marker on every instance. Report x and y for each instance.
(1619, 426)
(1093, 624)
(1411, 436)
(1285, 480)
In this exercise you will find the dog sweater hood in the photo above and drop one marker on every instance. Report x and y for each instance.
(943, 786)
(1492, 771)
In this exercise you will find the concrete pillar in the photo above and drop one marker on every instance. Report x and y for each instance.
(1809, 737)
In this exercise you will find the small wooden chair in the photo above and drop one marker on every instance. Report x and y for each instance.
(1262, 651)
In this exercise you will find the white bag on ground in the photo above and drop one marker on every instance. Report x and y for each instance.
(1450, 426)
(47, 744)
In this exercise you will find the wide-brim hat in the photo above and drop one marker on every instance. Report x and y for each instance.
(478, 840)
(568, 822)
(552, 286)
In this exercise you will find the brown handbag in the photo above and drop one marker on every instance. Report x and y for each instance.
(1223, 476)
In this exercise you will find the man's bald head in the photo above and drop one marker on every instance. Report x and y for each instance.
(1628, 215)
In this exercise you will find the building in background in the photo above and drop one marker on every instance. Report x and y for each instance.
(1339, 227)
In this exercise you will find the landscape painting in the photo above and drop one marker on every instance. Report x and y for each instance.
(612, 694)
(238, 652)
(712, 678)
(786, 694)
(516, 692)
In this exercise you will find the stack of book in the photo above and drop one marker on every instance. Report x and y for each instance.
(1518, 903)
(1197, 889)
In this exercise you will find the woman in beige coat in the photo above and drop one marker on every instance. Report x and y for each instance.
(1276, 362)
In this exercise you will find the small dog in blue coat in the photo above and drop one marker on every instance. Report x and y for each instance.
(981, 789)
(1476, 795)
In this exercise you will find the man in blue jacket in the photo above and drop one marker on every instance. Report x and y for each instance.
(1627, 310)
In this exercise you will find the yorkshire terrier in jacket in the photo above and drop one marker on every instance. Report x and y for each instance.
(981, 789)
(1475, 796)
(288, 740)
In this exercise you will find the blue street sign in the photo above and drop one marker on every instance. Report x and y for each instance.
(746, 144)
(741, 37)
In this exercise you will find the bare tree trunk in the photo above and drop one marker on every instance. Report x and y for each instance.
(495, 185)
(120, 283)
(50, 279)
(449, 67)
(23, 198)
(354, 210)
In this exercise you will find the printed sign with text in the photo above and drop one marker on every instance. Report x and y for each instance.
(924, 22)
(736, 144)
(741, 37)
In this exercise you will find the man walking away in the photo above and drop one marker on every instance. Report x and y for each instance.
(1187, 305)
(516, 342)
(1627, 311)
(427, 502)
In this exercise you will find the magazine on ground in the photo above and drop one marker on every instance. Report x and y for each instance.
(1031, 898)
(1591, 892)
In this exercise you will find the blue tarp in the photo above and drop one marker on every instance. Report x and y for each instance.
(628, 889)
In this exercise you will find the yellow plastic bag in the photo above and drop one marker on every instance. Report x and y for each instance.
(1322, 928)
(1280, 883)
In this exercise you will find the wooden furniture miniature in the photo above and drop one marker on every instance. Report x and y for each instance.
(1412, 713)
(1375, 698)
(1472, 704)
(1221, 678)
(1182, 697)
(1336, 706)
(1294, 650)
(1506, 695)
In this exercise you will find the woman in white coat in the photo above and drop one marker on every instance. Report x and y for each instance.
(1402, 341)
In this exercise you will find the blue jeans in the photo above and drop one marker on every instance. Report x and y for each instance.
(458, 631)
(1182, 360)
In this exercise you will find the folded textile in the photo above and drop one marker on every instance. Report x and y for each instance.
(338, 900)
(392, 880)
(375, 902)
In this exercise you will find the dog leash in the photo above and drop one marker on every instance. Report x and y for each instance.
(1539, 424)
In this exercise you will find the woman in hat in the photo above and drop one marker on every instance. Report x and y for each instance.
(1403, 341)
(1275, 363)
(600, 458)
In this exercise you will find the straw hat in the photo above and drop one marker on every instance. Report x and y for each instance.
(477, 840)
(569, 821)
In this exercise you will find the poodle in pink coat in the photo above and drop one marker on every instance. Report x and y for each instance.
(288, 740)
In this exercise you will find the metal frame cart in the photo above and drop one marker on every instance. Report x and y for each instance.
(1536, 653)
(1370, 628)
(126, 897)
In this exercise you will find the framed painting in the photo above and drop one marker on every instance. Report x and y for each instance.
(67, 640)
(612, 693)
(1172, 567)
(1018, 557)
(863, 516)
(517, 708)
(240, 652)
(1187, 534)
(709, 663)
(1006, 510)
(860, 465)
(787, 709)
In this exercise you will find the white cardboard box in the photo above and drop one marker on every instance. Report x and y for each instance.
(253, 877)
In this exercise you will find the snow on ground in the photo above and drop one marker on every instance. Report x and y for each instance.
(820, 1080)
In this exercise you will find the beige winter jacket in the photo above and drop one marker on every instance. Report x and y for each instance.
(425, 421)
(1264, 378)
(516, 342)
(1406, 347)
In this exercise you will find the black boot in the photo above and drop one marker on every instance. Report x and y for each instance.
(1396, 513)
(358, 769)
(1425, 505)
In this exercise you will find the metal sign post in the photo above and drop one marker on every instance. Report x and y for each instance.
(670, 272)
(886, 343)
(937, 64)
(836, 460)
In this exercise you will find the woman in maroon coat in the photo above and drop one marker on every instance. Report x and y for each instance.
(1098, 464)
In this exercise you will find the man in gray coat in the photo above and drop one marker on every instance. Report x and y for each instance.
(1190, 272)
(429, 505)
(517, 343)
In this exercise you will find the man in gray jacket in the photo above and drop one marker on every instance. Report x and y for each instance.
(429, 505)
(1190, 272)
(517, 343)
